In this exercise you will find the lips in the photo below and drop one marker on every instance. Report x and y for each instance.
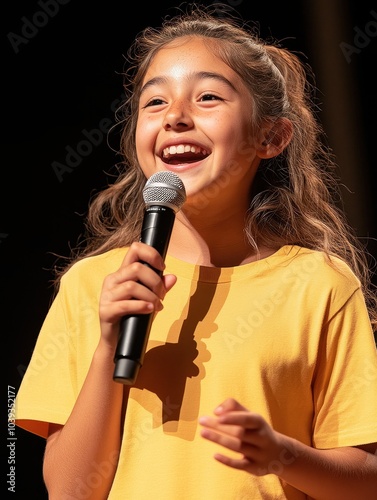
(183, 153)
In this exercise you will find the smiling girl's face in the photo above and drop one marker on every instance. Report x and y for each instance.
(195, 120)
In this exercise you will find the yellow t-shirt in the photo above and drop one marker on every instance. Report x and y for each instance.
(288, 337)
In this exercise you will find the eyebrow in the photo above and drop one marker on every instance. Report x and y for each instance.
(200, 75)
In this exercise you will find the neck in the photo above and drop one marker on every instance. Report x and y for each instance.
(222, 244)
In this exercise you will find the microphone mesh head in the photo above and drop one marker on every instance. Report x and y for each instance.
(165, 188)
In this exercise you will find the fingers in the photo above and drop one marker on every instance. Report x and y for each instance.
(242, 463)
(135, 281)
(229, 404)
(229, 440)
(135, 288)
(238, 430)
(238, 439)
(140, 252)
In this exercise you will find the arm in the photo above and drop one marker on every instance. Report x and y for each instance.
(338, 474)
(81, 457)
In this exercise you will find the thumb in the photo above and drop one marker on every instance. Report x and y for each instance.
(169, 281)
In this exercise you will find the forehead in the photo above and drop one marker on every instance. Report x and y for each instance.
(185, 54)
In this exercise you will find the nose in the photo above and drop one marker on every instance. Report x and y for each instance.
(178, 116)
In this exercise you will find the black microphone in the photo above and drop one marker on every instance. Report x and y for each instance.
(164, 194)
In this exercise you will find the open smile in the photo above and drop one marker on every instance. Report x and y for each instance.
(183, 153)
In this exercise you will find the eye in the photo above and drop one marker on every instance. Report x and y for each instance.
(154, 102)
(210, 97)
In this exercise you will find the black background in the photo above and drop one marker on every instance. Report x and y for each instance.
(65, 77)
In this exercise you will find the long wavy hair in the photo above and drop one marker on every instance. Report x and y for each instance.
(295, 198)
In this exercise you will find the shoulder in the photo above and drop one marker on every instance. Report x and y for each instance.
(95, 267)
(313, 270)
(330, 266)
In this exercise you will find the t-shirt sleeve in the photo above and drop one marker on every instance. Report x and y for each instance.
(64, 349)
(46, 394)
(345, 379)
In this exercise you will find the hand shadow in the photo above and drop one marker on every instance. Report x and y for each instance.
(173, 371)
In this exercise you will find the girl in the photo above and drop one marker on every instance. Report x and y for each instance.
(259, 377)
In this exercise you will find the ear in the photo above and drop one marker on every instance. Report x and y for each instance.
(274, 138)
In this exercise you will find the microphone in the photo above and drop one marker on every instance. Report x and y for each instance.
(164, 194)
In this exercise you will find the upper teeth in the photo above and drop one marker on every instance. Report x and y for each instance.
(183, 148)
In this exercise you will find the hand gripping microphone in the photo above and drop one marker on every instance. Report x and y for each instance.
(164, 194)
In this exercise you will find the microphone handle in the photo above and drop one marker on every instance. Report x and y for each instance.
(134, 329)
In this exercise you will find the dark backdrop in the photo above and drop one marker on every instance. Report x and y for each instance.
(62, 63)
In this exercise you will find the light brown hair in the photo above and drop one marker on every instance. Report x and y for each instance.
(295, 198)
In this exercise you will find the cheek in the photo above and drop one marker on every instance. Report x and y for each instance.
(145, 137)
(230, 126)
(239, 149)
(241, 135)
